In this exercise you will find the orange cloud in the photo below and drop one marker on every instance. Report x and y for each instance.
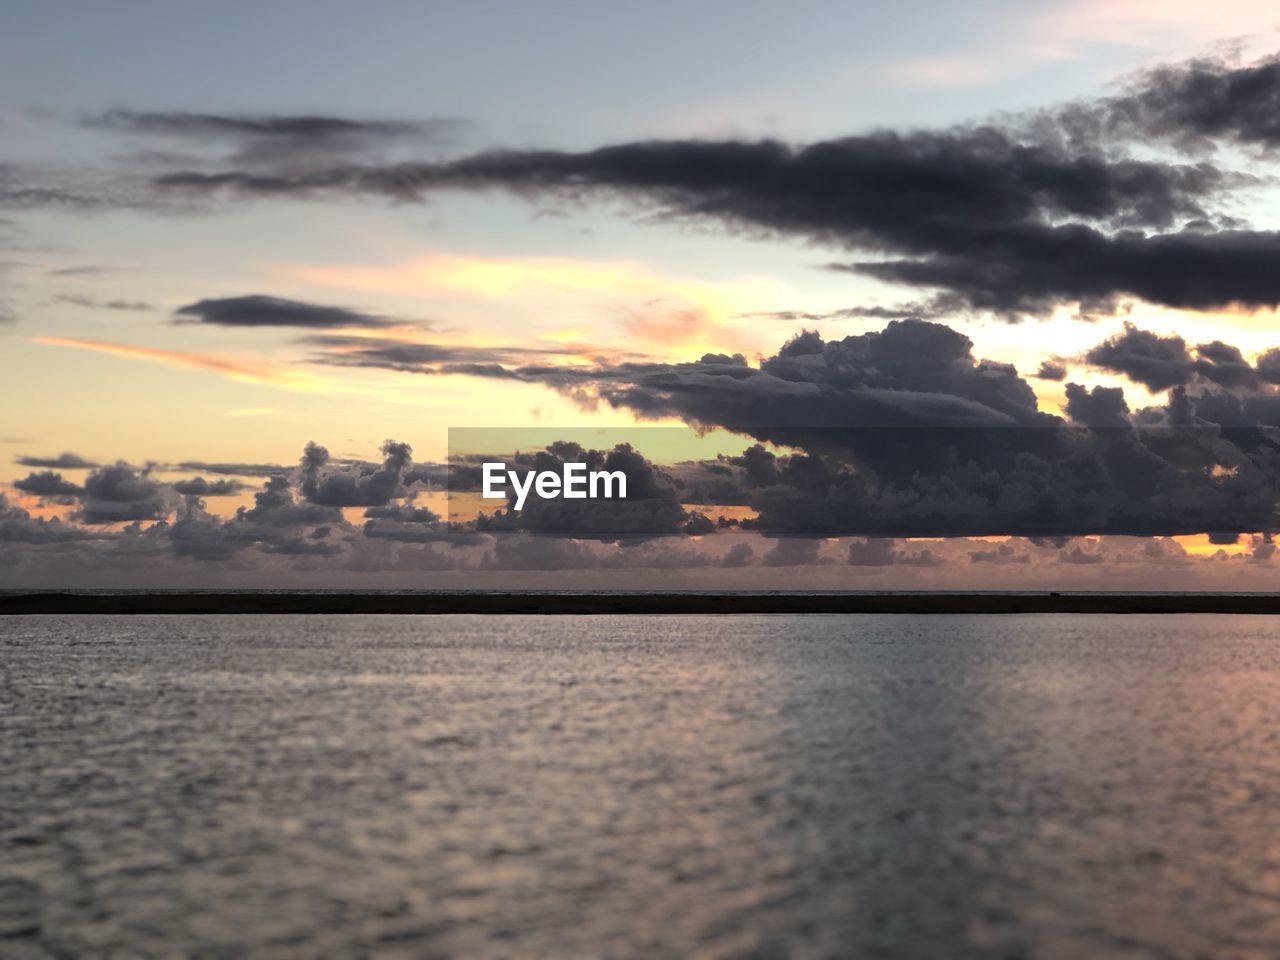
(245, 371)
(660, 322)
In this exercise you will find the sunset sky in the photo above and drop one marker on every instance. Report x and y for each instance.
(230, 232)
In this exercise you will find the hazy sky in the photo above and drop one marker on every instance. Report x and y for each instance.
(226, 231)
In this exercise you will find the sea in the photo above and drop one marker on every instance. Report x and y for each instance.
(774, 786)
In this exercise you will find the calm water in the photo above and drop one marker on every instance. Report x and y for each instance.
(1052, 787)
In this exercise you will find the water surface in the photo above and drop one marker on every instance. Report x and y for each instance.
(915, 787)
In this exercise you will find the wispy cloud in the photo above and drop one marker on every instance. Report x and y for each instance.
(234, 369)
(97, 303)
(263, 140)
(88, 270)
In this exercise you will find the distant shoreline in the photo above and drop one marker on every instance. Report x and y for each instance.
(179, 602)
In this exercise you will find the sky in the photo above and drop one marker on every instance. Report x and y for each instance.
(879, 296)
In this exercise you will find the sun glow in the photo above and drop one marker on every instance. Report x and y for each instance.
(687, 317)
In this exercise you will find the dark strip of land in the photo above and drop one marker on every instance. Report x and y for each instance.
(174, 602)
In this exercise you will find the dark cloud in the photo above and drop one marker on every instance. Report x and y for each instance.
(792, 553)
(277, 523)
(405, 523)
(47, 484)
(18, 526)
(277, 506)
(1001, 555)
(297, 513)
(198, 535)
(883, 553)
(1014, 217)
(525, 552)
(1051, 370)
(64, 461)
(709, 482)
(256, 310)
(200, 487)
(698, 525)
(1224, 365)
(904, 433)
(921, 558)
(857, 188)
(1105, 469)
(911, 374)
(871, 553)
(118, 493)
(1159, 363)
(425, 358)
(1156, 362)
(1029, 268)
(652, 506)
(432, 476)
(1193, 105)
(354, 485)
(1100, 408)
(998, 223)
(1268, 366)
(1078, 555)
(403, 513)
